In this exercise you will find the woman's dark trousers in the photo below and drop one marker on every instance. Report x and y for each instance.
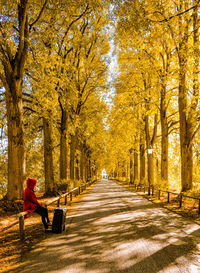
(43, 212)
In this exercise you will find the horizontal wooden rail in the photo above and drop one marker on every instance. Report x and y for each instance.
(57, 199)
(152, 189)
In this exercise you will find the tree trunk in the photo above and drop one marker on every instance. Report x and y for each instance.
(86, 170)
(135, 166)
(185, 130)
(150, 169)
(77, 169)
(131, 165)
(142, 159)
(16, 145)
(72, 156)
(150, 142)
(89, 170)
(13, 62)
(82, 165)
(50, 187)
(185, 138)
(164, 137)
(63, 146)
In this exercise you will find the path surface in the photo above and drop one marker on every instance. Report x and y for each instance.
(114, 230)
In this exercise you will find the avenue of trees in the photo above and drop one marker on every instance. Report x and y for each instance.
(55, 124)
(157, 94)
(53, 70)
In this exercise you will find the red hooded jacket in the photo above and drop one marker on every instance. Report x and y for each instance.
(30, 201)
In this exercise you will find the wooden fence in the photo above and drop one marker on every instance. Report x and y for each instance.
(151, 191)
(57, 199)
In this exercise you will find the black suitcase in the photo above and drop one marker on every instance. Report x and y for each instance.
(59, 220)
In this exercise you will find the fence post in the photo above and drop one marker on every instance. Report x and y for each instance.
(167, 197)
(70, 196)
(79, 190)
(149, 190)
(21, 228)
(58, 203)
(180, 205)
(158, 194)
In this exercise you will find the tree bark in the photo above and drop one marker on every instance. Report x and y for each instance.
(135, 166)
(150, 142)
(185, 128)
(131, 165)
(142, 159)
(82, 164)
(50, 187)
(63, 146)
(77, 169)
(16, 145)
(13, 65)
(72, 156)
(89, 169)
(164, 136)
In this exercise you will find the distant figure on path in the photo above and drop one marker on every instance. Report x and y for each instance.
(32, 205)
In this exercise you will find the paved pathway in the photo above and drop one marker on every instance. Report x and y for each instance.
(114, 230)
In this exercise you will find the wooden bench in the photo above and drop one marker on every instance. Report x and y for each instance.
(57, 199)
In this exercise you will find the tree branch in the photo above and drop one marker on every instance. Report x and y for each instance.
(5, 42)
(29, 109)
(173, 16)
(68, 28)
(39, 15)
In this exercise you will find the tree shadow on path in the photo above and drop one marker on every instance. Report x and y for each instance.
(114, 230)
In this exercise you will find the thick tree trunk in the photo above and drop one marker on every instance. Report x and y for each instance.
(16, 145)
(185, 138)
(186, 167)
(185, 128)
(50, 187)
(13, 62)
(63, 146)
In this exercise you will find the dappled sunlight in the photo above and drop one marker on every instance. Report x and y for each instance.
(124, 233)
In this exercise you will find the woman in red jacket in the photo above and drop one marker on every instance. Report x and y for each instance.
(32, 205)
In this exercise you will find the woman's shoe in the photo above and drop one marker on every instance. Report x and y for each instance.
(47, 230)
